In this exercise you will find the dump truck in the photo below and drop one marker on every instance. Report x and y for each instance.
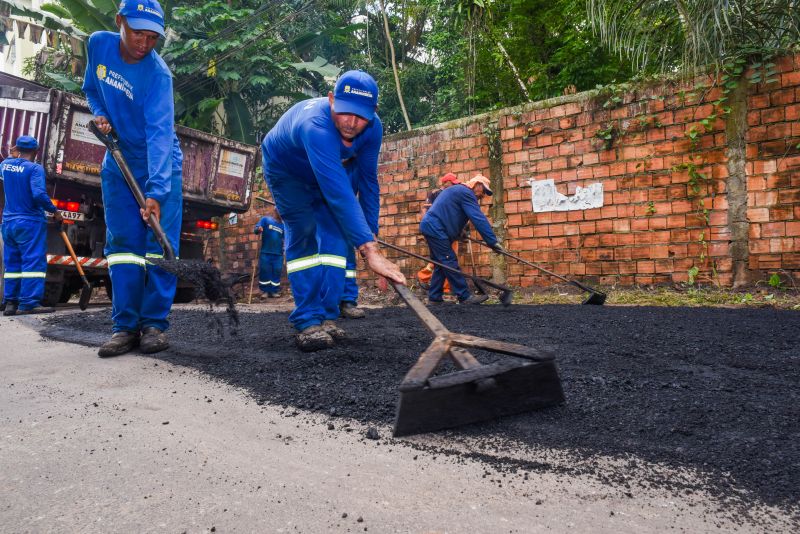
(218, 175)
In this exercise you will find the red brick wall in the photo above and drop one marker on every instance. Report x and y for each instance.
(652, 228)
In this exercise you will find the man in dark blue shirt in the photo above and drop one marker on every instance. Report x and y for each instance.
(270, 261)
(322, 217)
(443, 224)
(25, 229)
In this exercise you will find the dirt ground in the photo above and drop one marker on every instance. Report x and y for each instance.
(681, 400)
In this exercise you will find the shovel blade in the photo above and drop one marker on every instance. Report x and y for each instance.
(598, 299)
(86, 295)
(463, 397)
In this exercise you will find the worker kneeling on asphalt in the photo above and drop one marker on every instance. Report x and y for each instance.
(322, 217)
(270, 259)
(25, 229)
(129, 86)
(443, 224)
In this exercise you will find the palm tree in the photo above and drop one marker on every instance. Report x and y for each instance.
(689, 35)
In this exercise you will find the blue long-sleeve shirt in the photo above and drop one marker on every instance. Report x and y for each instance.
(271, 235)
(447, 216)
(306, 146)
(137, 100)
(25, 192)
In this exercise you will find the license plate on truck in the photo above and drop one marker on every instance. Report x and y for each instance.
(72, 215)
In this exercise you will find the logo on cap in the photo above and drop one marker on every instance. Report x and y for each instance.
(140, 7)
(346, 88)
(101, 71)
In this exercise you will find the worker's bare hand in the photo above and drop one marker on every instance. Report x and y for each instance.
(57, 217)
(151, 206)
(379, 264)
(102, 124)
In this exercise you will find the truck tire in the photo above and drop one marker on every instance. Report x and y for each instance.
(52, 293)
(66, 293)
(184, 295)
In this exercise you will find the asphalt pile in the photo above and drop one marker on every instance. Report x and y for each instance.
(703, 391)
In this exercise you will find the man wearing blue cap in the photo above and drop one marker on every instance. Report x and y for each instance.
(270, 260)
(129, 87)
(25, 229)
(303, 167)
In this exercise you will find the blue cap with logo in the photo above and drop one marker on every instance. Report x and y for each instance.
(143, 15)
(26, 142)
(356, 92)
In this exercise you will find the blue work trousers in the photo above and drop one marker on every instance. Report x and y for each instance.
(142, 293)
(25, 261)
(350, 293)
(442, 251)
(316, 251)
(269, 272)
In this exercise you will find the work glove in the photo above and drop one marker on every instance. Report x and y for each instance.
(497, 248)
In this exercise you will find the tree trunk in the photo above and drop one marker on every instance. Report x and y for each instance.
(394, 64)
(514, 70)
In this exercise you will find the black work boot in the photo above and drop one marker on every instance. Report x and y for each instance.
(10, 308)
(350, 310)
(120, 343)
(37, 309)
(313, 338)
(153, 340)
(334, 331)
(475, 299)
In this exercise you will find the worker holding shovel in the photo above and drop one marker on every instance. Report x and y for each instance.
(303, 157)
(129, 87)
(443, 224)
(424, 275)
(25, 229)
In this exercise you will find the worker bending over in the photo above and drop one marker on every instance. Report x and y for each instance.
(270, 259)
(129, 87)
(25, 229)
(303, 157)
(443, 224)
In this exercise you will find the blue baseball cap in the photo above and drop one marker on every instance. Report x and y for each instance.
(143, 15)
(356, 92)
(26, 142)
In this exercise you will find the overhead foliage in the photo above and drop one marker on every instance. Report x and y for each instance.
(692, 34)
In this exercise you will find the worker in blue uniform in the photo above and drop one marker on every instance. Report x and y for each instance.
(25, 229)
(322, 217)
(129, 88)
(364, 180)
(442, 225)
(270, 258)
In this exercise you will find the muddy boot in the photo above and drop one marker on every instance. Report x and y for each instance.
(350, 310)
(313, 338)
(153, 340)
(334, 331)
(475, 299)
(37, 309)
(10, 309)
(120, 343)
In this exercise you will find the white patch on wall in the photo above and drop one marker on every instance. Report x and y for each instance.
(545, 197)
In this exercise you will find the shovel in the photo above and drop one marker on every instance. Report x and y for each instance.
(86, 291)
(595, 297)
(477, 392)
(506, 293)
(199, 273)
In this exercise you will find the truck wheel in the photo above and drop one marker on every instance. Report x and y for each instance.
(66, 293)
(52, 293)
(184, 295)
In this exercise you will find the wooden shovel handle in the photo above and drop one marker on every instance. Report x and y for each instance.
(72, 253)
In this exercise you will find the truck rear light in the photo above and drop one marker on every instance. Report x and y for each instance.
(207, 225)
(64, 205)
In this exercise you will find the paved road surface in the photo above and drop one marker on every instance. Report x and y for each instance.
(136, 445)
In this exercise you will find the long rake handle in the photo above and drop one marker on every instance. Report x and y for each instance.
(443, 266)
(113, 146)
(551, 273)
